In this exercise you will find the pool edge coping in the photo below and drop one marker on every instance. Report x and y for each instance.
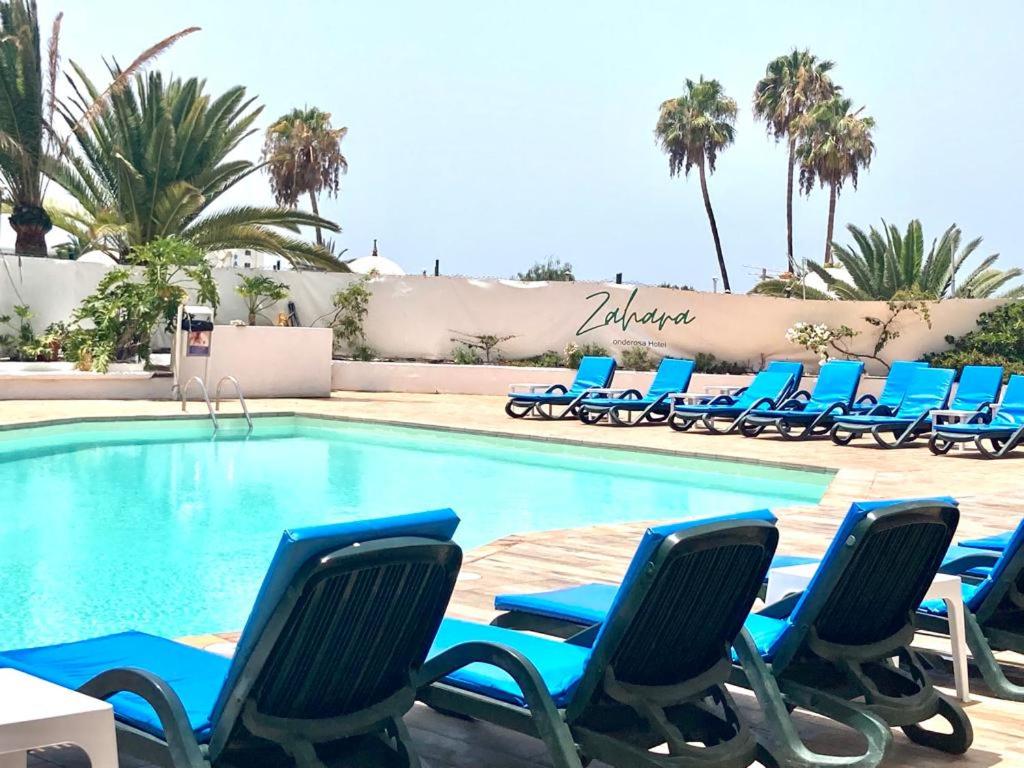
(832, 472)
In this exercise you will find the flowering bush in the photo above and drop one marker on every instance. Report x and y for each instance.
(818, 338)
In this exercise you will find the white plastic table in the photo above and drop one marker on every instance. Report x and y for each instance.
(952, 416)
(794, 579)
(35, 713)
(722, 389)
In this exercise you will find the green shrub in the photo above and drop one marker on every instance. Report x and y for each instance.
(549, 359)
(18, 341)
(998, 340)
(573, 353)
(638, 359)
(259, 292)
(708, 363)
(463, 355)
(351, 304)
(116, 322)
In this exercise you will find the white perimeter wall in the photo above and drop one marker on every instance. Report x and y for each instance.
(417, 317)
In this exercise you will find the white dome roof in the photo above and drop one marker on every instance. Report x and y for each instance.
(383, 265)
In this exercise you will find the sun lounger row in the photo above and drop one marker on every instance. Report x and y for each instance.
(348, 631)
(916, 402)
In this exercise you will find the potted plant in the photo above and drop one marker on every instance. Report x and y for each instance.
(260, 293)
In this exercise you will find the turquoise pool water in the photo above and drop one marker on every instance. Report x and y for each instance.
(155, 526)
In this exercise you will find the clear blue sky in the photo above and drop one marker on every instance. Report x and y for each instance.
(492, 134)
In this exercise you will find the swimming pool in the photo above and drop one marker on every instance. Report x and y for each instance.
(153, 525)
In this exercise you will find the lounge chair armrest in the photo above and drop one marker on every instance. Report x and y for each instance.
(960, 565)
(803, 393)
(835, 408)
(881, 410)
(520, 668)
(516, 389)
(181, 741)
(617, 393)
(866, 400)
(761, 403)
(792, 404)
(781, 609)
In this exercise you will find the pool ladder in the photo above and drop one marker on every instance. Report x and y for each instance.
(214, 407)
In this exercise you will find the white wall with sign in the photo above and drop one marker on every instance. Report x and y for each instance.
(417, 317)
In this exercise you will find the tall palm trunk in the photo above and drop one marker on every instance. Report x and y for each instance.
(791, 264)
(316, 212)
(714, 227)
(831, 225)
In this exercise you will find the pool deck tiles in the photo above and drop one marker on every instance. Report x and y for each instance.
(991, 495)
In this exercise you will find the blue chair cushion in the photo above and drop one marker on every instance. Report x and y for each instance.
(979, 385)
(765, 631)
(938, 607)
(997, 542)
(298, 546)
(586, 604)
(196, 676)
(560, 664)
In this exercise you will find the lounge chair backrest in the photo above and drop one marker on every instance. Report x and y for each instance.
(796, 370)
(979, 385)
(344, 618)
(928, 390)
(673, 376)
(681, 604)
(873, 576)
(1011, 408)
(837, 383)
(896, 382)
(1004, 585)
(775, 385)
(593, 372)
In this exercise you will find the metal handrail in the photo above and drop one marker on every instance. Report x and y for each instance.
(206, 396)
(238, 391)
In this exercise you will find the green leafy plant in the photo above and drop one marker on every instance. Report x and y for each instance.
(463, 355)
(15, 342)
(351, 305)
(156, 158)
(574, 353)
(259, 292)
(886, 264)
(116, 322)
(998, 340)
(552, 270)
(638, 359)
(486, 343)
(548, 359)
(705, 362)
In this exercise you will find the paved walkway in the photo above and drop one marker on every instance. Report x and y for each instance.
(991, 496)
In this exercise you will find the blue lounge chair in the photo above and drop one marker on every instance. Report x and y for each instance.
(993, 611)
(329, 656)
(928, 391)
(831, 625)
(809, 414)
(769, 387)
(652, 674)
(1003, 432)
(628, 407)
(542, 399)
(892, 391)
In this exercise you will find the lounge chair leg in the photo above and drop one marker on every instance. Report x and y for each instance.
(789, 750)
(841, 439)
(991, 672)
(955, 743)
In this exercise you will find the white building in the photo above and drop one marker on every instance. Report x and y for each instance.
(246, 258)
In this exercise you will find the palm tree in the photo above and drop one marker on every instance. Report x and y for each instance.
(886, 264)
(834, 144)
(302, 153)
(27, 105)
(152, 162)
(692, 129)
(792, 85)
